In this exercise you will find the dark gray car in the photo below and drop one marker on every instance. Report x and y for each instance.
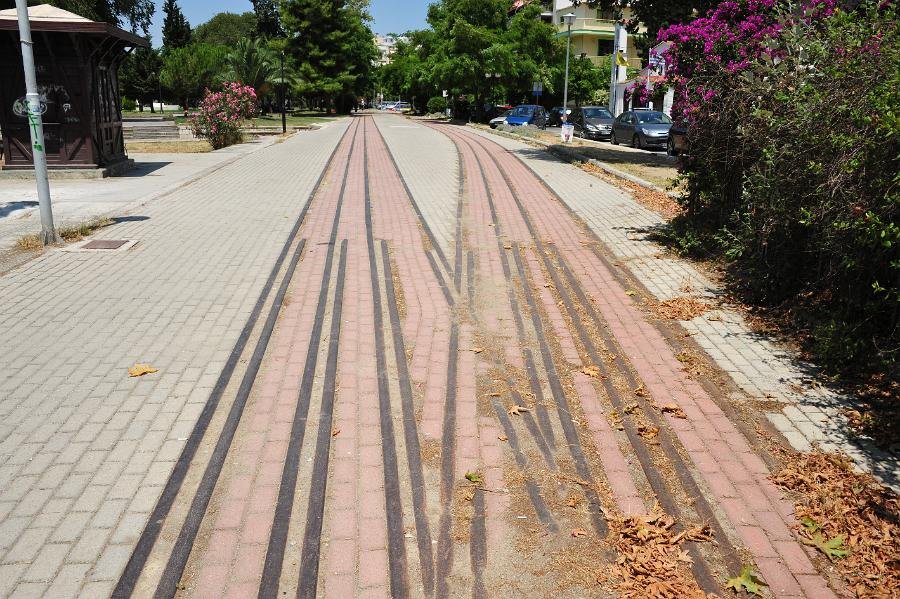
(642, 129)
(592, 122)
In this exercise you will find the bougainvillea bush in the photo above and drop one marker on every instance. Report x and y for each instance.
(793, 118)
(222, 113)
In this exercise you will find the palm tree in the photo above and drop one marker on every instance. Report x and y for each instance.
(252, 63)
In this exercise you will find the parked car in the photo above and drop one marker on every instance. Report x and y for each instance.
(642, 128)
(678, 143)
(528, 114)
(554, 118)
(592, 122)
(499, 120)
(495, 111)
(400, 106)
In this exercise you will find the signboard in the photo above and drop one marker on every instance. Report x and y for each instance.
(537, 89)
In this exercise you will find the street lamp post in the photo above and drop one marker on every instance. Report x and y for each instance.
(568, 18)
(36, 126)
(488, 76)
(283, 114)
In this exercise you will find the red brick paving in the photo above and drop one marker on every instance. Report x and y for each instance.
(354, 557)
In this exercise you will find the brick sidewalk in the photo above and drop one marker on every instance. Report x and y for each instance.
(442, 387)
(84, 449)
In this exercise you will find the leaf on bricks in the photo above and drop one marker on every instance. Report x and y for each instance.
(630, 293)
(681, 308)
(847, 515)
(592, 371)
(630, 408)
(673, 409)
(141, 370)
(579, 532)
(833, 548)
(747, 580)
(335, 432)
(503, 437)
(517, 410)
(573, 501)
(647, 431)
(477, 350)
(615, 419)
(474, 477)
(641, 391)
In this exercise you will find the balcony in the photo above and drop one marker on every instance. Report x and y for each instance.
(596, 27)
(602, 60)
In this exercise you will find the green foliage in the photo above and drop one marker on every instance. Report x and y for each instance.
(225, 29)
(793, 177)
(188, 72)
(268, 21)
(252, 63)
(176, 31)
(585, 78)
(131, 14)
(128, 104)
(139, 76)
(437, 104)
(469, 39)
(333, 48)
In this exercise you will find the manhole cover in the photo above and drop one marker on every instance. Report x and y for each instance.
(104, 244)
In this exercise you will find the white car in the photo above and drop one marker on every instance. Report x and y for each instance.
(498, 120)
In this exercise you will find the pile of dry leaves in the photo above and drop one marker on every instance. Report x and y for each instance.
(681, 308)
(651, 562)
(850, 518)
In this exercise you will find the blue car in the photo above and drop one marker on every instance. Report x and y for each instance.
(528, 114)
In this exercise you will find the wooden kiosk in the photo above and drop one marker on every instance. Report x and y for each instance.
(77, 63)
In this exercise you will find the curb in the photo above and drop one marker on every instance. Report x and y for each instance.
(570, 155)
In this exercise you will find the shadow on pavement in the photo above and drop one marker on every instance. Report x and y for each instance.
(10, 207)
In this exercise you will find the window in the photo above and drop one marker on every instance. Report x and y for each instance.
(597, 113)
(653, 118)
(605, 47)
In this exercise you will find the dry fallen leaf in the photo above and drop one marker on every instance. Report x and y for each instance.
(579, 532)
(141, 370)
(477, 350)
(640, 391)
(503, 437)
(573, 501)
(630, 408)
(516, 410)
(335, 432)
(591, 371)
(630, 293)
(673, 409)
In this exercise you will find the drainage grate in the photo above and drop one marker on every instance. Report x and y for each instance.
(104, 244)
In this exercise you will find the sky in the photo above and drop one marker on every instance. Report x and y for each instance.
(390, 16)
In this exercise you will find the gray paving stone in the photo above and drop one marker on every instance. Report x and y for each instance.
(46, 563)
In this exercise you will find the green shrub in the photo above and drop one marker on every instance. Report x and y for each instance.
(437, 104)
(128, 104)
(793, 176)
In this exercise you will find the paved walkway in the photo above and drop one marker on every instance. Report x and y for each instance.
(79, 201)
(395, 359)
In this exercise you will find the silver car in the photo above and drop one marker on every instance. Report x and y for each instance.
(642, 129)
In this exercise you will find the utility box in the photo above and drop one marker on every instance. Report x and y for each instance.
(77, 62)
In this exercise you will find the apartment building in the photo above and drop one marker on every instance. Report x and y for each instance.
(593, 31)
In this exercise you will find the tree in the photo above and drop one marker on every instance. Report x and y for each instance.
(189, 71)
(139, 76)
(176, 30)
(133, 14)
(333, 47)
(585, 79)
(225, 29)
(268, 21)
(252, 63)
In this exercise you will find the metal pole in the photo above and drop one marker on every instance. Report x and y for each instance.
(283, 114)
(36, 126)
(565, 117)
